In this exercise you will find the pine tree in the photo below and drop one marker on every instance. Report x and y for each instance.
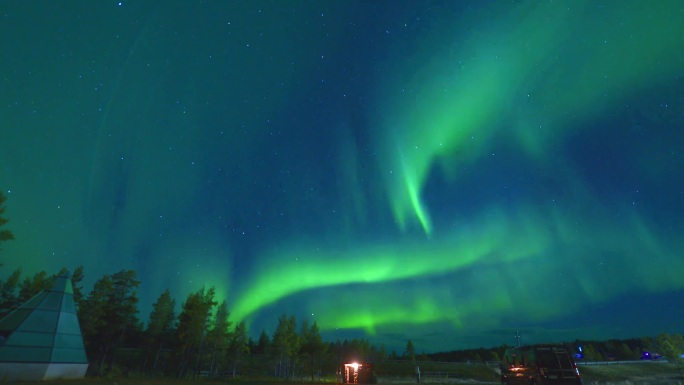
(92, 314)
(8, 293)
(238, 346)
(625, 353)
(123, 300)
(263, 343)
(312, 347)
(286, 345)
(193, 322)
(32, 286)
(5, 235)
(670, 346)
(410, 351)
(494, 356)
(218, 338)
(76, 279)
(382, 355)
(108, 311)
(160, 327)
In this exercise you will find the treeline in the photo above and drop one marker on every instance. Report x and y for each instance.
(198, 340)
(669, 346)
(14, 290)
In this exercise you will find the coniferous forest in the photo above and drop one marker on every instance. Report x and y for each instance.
(196, 337)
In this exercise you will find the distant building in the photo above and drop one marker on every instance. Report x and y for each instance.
(42, 339)
(356, 373)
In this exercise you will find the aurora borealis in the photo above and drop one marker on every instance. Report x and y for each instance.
(445, 172)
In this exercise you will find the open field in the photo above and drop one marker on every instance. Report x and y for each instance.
(450, 373)
(639, 373)
(646, 373)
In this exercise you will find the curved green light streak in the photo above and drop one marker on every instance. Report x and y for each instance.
(412, 186)
(591, 264)
(546, 67)
(515, 264)
(497, 237)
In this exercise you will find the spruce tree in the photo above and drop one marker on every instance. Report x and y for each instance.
(5, 235)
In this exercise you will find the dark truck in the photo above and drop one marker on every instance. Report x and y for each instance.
(539, 365)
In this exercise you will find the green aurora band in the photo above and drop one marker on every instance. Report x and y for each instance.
(488, 292)
(440, 103)
(508, 253)
(538, 73)
(542, 70)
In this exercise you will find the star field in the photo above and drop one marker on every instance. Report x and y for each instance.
(448, 174)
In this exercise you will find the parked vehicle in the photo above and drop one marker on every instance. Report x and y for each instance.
(539, 365)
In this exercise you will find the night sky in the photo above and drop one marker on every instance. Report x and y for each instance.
(448, 172)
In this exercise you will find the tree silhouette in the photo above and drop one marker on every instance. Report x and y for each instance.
(5, 235)
(670, 346)
(32, 286)
(286, 345)
(106, 314)
(192, 328)
(8, 293)
(238, 346)
(160, 327)
(219, 337)
(410, 351)
(312, 346)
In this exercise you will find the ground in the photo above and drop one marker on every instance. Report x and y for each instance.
(641, 373)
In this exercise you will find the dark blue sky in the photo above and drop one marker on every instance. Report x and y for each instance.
(446, 173)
